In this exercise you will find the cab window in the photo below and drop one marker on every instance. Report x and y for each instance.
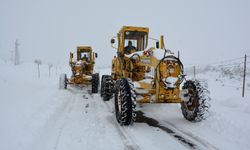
(85, 56)
(138, 39)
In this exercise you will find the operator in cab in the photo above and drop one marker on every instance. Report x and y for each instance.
(128, 49)
(85, 58)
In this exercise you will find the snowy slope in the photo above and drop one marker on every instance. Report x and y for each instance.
(36, 115)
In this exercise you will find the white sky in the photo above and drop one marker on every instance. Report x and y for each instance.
(203, 31)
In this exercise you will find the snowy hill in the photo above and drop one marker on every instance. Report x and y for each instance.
(36, 115)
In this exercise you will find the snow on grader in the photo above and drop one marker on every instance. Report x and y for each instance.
(143, 74)
(82, 69)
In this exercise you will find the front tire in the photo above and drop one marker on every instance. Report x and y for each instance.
(124, 102)
(196, 108)
(95, 83)
(107, 87)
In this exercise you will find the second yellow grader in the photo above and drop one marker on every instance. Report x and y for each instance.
(82, 68)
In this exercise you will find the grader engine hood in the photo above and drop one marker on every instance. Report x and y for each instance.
(170, 71)
(80, 68)
(170, 66)
(166, 72)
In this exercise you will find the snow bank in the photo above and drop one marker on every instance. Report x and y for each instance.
(36, 115)
(26, 102)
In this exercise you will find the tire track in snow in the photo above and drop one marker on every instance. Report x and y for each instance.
(185, 137)
(59, 136)
(191, 136)
(140, 118)
(127, 140)
(64, 120)
(91, 106)
(75, 94)
(190, 141)
(53, 124)
(151, 122)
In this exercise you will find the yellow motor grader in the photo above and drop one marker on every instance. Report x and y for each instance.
(82, 69)
(144, 74)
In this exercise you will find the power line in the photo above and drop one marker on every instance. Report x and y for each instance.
(228, 60)
(234, 64)
(225, 85)
(218, 62)
(218, 65)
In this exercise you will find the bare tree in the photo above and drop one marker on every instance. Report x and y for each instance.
(16, 54)
(12, 56)
(50, 66)
(38, 62)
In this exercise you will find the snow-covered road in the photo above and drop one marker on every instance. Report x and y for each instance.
(84, 121)
(78, 123)
(36, 115)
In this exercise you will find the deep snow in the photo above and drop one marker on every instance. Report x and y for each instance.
(36, 115)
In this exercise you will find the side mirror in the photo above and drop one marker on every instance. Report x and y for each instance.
(96, 55)
(112, 41)
(157, 44)
(70, 58)
(71, 55)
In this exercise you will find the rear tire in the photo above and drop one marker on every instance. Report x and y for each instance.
(102, 80)
(107, 87)
(196, 109)
(63, 81)
(95, 83)
(124, 102)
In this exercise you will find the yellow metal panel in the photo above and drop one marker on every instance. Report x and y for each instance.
(134, 28)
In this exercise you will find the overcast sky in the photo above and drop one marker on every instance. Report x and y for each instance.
(203, 31)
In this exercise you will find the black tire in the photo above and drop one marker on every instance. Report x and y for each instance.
(95, 83)
(124, 103)
(63, 81)
(102, 84)
(107, 87)
(196, 109)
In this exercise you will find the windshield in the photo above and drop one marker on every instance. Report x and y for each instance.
(136, 39)
(85, 56)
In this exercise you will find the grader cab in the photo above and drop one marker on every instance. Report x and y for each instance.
(82, 69)
(144, 74)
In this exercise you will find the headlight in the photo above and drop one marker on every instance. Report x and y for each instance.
(170, 82)
(171, 70)
(77, 74)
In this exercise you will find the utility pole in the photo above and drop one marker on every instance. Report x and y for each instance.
(244, 76)
(16, 54)
(194, 73)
